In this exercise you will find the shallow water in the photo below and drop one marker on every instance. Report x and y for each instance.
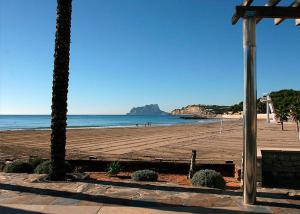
(15, 122)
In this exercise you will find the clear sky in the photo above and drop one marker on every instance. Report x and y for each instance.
(127, 53)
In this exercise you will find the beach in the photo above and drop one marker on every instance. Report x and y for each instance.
(163, 143)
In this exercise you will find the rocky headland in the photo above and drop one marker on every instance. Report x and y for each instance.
(152, 109)
(194, 112)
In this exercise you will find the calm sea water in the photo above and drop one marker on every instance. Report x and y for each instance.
(14, 122)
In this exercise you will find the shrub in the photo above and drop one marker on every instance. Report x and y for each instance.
(208, 178)
(44, 167)
(35, 161)
(113, 169)
(144, 175)
(18, 167)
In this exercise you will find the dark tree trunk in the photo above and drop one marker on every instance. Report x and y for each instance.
(298, 130)
(60, 89)
(281, 124)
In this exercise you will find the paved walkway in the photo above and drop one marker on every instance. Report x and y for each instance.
(24, 193)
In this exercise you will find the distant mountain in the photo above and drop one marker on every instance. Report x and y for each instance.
(152, 109)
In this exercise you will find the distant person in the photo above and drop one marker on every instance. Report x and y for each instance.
(137, 125)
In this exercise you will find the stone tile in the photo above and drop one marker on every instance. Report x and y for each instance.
(42, 200)
(18, 199)
(55, 209)
(89, 203)
(132, 210)
(65, 201)
(221, 201)
(165, 210)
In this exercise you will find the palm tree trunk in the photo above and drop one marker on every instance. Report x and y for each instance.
(60, 89)
(281, 125)
(298, 130)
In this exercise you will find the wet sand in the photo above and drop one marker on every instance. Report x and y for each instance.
(173, 143)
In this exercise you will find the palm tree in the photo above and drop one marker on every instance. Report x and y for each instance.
(295, 114)
(281, 113)
(60, 89)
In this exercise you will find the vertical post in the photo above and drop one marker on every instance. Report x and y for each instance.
(192, 165)
(249, 108)
(268, 109)
(221, 126)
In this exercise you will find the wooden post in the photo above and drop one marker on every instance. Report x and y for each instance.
(192, 165)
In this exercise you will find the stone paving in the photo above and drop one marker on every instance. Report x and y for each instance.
(26, 193)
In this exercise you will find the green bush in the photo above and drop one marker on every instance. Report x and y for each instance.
(144, 175)
(35, 161)
(208, 178)
(44, 167)
(18, 167)
(113, 168)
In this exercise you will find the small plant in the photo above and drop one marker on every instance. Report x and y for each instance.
(208, 178)
(35, 161)
(113, 168)
(18, 167)
(44, 167)
(144, 175)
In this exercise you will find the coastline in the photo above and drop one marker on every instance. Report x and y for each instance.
(140, 125)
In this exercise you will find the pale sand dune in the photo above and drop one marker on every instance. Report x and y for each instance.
(150, 143)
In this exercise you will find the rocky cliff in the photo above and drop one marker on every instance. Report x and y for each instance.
(201, 111)
(152, 109)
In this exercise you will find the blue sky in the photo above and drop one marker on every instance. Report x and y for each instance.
(127, 53)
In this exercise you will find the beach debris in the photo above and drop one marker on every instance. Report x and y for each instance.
(92, 157)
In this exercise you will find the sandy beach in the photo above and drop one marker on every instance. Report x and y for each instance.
(172, 143)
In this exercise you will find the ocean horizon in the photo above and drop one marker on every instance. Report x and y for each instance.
(24, 122)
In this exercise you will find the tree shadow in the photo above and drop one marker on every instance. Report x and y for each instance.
(117, 201)
(148, 186)
(9, 210)
(278, 204)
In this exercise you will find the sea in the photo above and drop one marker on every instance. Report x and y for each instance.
(21, 122)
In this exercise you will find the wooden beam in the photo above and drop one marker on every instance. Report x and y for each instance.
(268, 12)
(247, 2)
(278, 21)
(271, 3)
(235, 18)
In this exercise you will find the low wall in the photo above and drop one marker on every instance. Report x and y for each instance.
(279, 167)
(226, 169)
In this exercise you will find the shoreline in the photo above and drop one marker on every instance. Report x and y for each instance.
(202, 122)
